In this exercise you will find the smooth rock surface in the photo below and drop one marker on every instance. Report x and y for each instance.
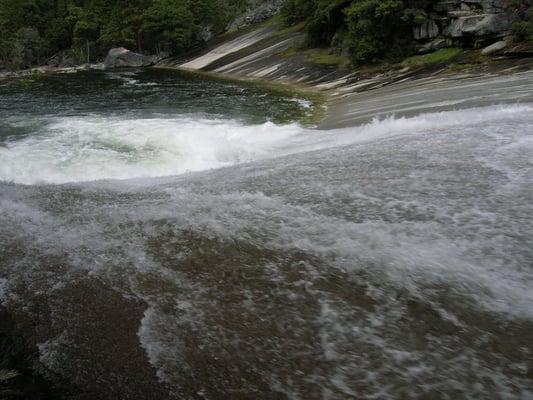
(494, 48)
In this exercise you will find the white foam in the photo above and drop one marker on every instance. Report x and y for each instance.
(94, 148)
(74, 149)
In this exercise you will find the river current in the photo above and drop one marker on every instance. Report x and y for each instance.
(164, 236)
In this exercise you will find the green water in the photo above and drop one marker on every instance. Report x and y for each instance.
(143, 94)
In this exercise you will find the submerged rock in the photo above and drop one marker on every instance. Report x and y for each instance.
(121, 57)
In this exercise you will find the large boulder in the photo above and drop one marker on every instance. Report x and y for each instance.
(479, 25)
(121, 57)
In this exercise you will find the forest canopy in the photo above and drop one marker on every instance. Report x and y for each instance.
(31, 30)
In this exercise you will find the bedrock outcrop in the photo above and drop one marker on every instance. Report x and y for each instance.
(470, 22)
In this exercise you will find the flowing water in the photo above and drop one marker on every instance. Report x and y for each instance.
(164, 236)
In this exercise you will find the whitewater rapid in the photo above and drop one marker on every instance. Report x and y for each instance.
(90, 148)
(155, 254)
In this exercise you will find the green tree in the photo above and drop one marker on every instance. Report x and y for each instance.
(124, 25)
(377, 29)
(295, 11)
(28, 48)
(168, 25)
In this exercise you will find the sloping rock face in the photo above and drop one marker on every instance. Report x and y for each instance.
(121, 57)
(473, 22)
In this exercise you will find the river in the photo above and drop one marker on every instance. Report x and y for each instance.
(166, 236)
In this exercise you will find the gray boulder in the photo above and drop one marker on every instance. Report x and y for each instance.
(121, 57)
(494, 48)
(479, 25)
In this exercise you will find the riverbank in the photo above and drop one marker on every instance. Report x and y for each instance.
(273, 55)
(373, 93)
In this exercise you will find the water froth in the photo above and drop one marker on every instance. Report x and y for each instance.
(90, 148)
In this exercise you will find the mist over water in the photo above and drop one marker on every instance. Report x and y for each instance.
(188, 255)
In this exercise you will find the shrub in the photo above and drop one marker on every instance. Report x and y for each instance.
(522, 31)
(376, 29)
(168, 24)
(28, 48)
(295, 11)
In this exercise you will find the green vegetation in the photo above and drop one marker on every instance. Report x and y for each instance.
(439, 57)
(379, 30)
(370, 30)
(321, 56)
(523, 31)
(31, 31)
(326, 57)
(7, 374)
(523, 28)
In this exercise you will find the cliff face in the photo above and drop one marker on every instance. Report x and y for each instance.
(463, 22)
